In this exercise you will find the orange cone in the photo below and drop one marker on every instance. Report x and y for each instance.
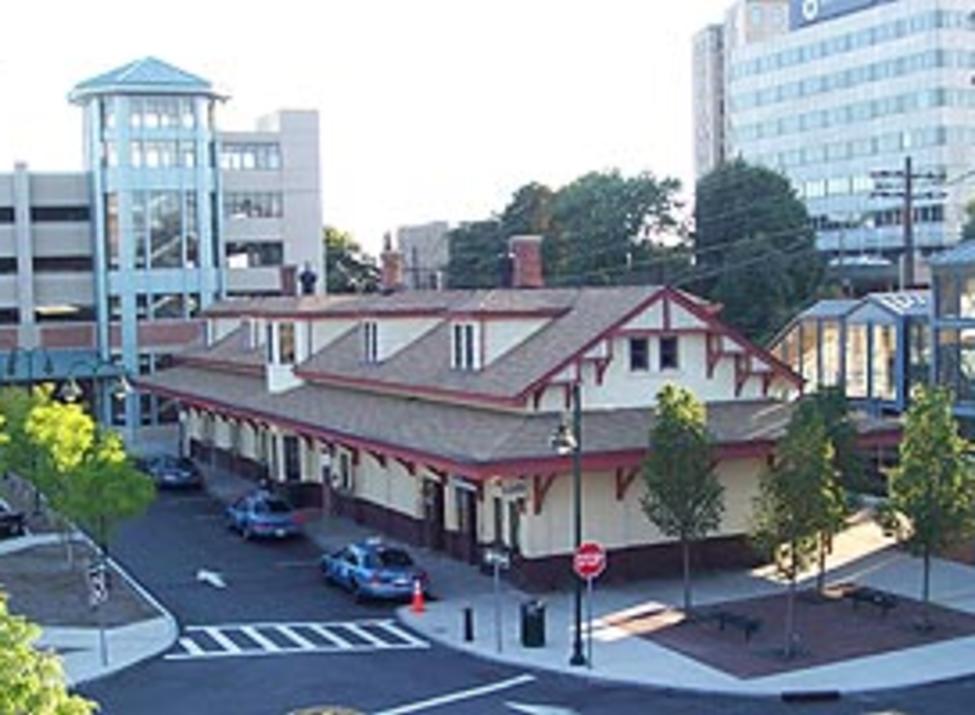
(418, 605)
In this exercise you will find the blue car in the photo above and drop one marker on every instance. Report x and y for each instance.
(262, 514)
(374, 570)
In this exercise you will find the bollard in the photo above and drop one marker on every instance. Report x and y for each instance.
(468, 624)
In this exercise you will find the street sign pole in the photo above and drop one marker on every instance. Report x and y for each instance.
(97, 596)
(589, 563)
(102, 639)
(497, 603)
(589, 619)
(499, 559)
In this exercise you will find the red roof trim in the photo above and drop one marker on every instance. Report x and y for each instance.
(750, 348)
(641, 306)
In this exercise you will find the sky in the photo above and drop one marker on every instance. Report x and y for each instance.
(429, 109)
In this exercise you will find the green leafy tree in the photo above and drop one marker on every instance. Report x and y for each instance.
(19, 454)
(602, 219)
(684, 498)
(476, 250)
(106, 488)
(754, 246)
(933, 488)
(833, 409)
(31, 681)
(90, 479)
(348, 268)
(788, 516)
(602, 228)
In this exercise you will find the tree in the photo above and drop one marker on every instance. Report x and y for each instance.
(106, 488)
(88, 476)
(602, 219)
(933, 488)
(18, 452)
(476, 250)
(833, 409)
(684, 498)
(32, 681)
(348, 269)
(602, 228)
(745, 218)
(788, 516)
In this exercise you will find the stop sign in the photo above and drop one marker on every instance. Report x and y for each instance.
(589, 560)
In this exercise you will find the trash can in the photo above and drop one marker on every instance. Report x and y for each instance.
(533, 624)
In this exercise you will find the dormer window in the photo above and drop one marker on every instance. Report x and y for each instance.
(464, 350)
(370, 341)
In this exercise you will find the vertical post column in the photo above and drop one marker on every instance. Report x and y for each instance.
(27, 332)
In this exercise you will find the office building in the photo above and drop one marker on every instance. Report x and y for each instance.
(426, 251)
(852, 88)
(745, 22)
(104, 271)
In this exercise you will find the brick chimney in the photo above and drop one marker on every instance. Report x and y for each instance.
(392, 266)
(526, 257)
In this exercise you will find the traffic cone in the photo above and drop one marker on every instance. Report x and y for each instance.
(418, 605)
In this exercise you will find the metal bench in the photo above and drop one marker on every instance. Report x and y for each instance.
(746, 624)
(872, 597)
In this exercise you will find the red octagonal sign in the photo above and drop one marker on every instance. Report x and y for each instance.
(589, 560)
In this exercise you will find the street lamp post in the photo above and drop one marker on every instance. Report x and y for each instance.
(568, 440)
(71, 391)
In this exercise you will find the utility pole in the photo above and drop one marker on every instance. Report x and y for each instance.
(900, 184)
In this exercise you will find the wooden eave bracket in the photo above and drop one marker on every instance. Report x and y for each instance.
(540, 486)
(624, 478)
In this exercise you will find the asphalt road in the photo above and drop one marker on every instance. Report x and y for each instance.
(279, 582)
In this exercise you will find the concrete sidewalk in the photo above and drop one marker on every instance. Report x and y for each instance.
(862, 555)
(80, 648)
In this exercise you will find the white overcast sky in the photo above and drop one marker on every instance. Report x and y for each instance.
(429, 109)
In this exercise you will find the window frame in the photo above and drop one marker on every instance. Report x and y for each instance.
(670, 356)
(642, 365)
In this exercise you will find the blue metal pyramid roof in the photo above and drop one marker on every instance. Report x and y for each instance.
(141, 76)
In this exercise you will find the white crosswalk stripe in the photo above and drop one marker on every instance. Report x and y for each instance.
(228, 640)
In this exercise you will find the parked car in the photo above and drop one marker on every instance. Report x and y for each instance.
(372, 569)
(170, 472)
(11, 521)
(261, 513)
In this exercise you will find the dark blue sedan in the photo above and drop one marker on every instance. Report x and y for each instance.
(170, 472)
(262, 514)
(374, 570)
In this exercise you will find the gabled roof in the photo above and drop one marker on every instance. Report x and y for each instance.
(960, 255)
(899, 304)
(467, 439)
(576, 320)
(829, 308)
(148, 75)
(585, 315)
(910, 303)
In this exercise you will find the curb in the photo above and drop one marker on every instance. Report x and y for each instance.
(793, 696)
(144, 592)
